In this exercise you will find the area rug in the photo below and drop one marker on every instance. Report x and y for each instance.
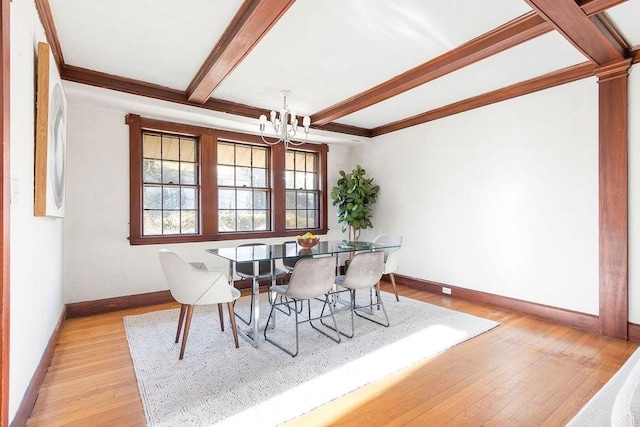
(217, 384)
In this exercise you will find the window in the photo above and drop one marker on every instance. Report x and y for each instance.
(190, 183)
(243, 188)
(301, 182)
(169, 184)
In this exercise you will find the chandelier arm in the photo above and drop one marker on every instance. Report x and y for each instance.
(270, 142)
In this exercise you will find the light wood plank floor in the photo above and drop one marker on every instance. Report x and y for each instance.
(526, 372)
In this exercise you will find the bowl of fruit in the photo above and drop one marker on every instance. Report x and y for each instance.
(308, 240)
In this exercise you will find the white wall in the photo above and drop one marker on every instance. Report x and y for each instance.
(502, 199)
(36, 243)
(98, 260)
(634, 194)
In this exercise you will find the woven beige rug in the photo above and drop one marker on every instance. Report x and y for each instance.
(217, 384)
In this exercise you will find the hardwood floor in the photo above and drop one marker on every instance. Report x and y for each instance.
(525, 372)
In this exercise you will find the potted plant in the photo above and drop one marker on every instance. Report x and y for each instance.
(353, 197)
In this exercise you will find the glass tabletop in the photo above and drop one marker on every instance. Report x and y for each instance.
(292, 249)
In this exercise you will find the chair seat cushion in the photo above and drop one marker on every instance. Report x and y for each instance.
(278, 273)
(340, 280)
(279, 289)
(235, 294)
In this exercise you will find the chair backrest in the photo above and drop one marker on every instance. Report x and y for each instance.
(312, 277)
(191, 285)
(365, 270)
(290, 262)
(389, 239)
(247, 267)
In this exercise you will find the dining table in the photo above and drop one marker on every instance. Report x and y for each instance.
(272, 252)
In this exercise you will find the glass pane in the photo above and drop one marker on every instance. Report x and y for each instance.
(189, 221)
(245, 220)
(289, 180)
(291, 200)
(152, 223)
(310, 181)
(171, 222)
(300, 180)
(243, 177)
(260, 200)
(290, 220)
(170, 198)
(260, 220)
(226, 199)
(152, 197)
(243, 155)
(260, 178)
(188, 149)
(226, 175)
(259, 158)
(245, 199)
(289, 160)
(300, 161)
(170, 147)
(312, 219)
(151, 170)
(187, 173)
(151, 146)
(311, 162)
(170, 172)
(188, 198)
(301, 200)
(226, 220)
(225, 154)
(312, 200)
(301, 219)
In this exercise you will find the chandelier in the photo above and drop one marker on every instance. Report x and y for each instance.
(284, 125)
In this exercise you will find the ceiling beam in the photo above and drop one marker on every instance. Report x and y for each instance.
(571, 21)
(252, 21)
(504, 37)
(50, 31)
(591, 7)
(556, 78)
(137, 87)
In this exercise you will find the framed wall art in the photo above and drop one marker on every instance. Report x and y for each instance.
(51, 135)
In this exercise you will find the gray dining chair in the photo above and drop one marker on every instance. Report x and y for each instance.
(191, 285)
(311, 278)
(244, 270)
(364, 272)
(390, 257)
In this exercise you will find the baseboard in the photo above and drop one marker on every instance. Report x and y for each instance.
(31, 394)
(90, 308)
(586, 322)
(633, 332)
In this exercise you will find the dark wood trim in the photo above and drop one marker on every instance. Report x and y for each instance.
(571, 318)
(50, 31)
(592, 7)
(556, 78)
(504, 37)
(108, 305)
(31, 393)
(148, 90)
(613, 198)
(575, 26)
(252, 21)
(635, 55)
(611, 32)
(5, 201)
(633, 332)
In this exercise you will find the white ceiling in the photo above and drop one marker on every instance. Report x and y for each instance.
(324, 51)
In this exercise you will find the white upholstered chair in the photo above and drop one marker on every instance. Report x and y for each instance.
(364, 272)
(191, 285)
(390, 257)
(311, 278)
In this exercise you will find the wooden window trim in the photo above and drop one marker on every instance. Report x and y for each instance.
(208, 183)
